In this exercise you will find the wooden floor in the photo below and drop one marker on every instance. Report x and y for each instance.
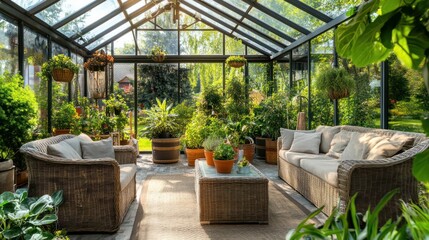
(147, 167)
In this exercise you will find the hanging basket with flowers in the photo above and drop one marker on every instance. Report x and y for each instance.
(61, 68)
(158, 54)
(97, 75)
(98, 61)
(236, 61)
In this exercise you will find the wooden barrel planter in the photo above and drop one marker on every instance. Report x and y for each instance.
(270, 151)
(165, 150)
(193, 154)
(61, 131)
(248, 149)
(260, 147)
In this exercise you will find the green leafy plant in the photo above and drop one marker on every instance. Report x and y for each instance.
(158, 54)
(184, 112)
(18, 114)
(22, 217)
(195, 131)
(224, 151)
(272, 115)
(380, 27)
(211, 101)
(58, 61)
(350, 224)
(236, 102)
(336, 82)
(65, 117)
(159, 122)
(116, 110)
(243, 162)
(211, 142)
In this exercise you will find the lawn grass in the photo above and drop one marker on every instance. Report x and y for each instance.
(145, 144)
(403, 124)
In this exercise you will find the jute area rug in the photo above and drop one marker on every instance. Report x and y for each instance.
(168, 210)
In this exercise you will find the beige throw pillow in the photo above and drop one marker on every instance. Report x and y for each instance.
(386, 148)
(328, 134)
(306, 142)
(287, 136)
(98, 149)
(339, 143)
(407, 141)
(63, 150)
(356, 148)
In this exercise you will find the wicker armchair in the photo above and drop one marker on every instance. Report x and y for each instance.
(94, 198)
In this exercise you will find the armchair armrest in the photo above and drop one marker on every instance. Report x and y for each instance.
(279, 144)
(372, 179)
(125, 154)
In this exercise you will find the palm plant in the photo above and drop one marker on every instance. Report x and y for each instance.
(159, 122)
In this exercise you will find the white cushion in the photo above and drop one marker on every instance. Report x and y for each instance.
(63, 150)
(306, 142)
(287, 137)
(328, 134)
(323, 169)
(127, 173)
(75, 142)
(356, 149)
(384, 149)
(408, 141)
(339, 143)
(295, 158)
(98, 149)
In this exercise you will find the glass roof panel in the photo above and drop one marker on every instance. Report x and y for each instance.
(207, 19)
(210, 12)
(61, 10)
(109, 35)
(244, 39)
(257, 37)
(225, 10)
(145, 14)
(101, 28)
(293, 13)
(331, 8)
(135, 7)
(275, 23)
(189, 22)
(27, 4)
(89, 17)
(239, 4)
(264, 30)
(164, 21)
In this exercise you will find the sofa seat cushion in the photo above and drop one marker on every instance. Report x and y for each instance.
(127, 173)
(323, 169)
(296, 157)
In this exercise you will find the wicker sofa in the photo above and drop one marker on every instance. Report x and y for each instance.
(328, 181)
(97, 192)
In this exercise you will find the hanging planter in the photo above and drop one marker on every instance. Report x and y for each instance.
(336, 82)
(158, 54)
(97, 74)
(61, 68)
(236, 61)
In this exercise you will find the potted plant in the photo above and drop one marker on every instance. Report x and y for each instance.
(236, 61)
(210, 101)
(238, 135)
(117, 109)
(336, 82)
(224, 158)
(64, 118)
(210, 144)
(60, 67)
(243, 166)
(162, 128)
(18, 117)
(194, 137)
(158, 54)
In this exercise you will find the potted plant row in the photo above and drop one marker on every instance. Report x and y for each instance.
(210, 145)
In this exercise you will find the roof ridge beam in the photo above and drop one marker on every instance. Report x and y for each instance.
(312, 11)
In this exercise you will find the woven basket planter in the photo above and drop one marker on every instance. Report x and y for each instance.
(62, 74)
(236, 64)
(158, 58)
(338, 94)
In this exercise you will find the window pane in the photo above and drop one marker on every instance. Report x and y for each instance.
(200, 42)
(8, 46)
(125, 45)
(164, 39)
(62, 9)
(27, 4)
(233, 46)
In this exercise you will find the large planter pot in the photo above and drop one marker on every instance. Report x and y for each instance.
(224, 166)
(193, 154)
(21, 178)
(61, 131)
(7, 176)
(165, 150)
(270, 151)
(249, 151)
(260, 147)
(209, 157)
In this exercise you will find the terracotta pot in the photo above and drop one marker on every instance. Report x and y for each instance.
(270, 151)
(209, 157)
(7, 176)
(193, 154)
(224, 166)
(249, 151)
(78, 110)
(165, 150)
(61, 131)
(21, 178)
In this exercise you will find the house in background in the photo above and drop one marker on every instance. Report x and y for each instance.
(125, 84)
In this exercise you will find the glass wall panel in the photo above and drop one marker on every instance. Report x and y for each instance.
(251, 51)
(281, 76)
(233, 46)
(202, 75)
(164, 39)
(165, 21)
(60, 90)
(125, 45)
(298, 96)
(408, 97)
(201, 43)
(258, 80)
(8, 46)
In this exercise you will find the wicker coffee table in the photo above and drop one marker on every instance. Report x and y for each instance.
(230, 198)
